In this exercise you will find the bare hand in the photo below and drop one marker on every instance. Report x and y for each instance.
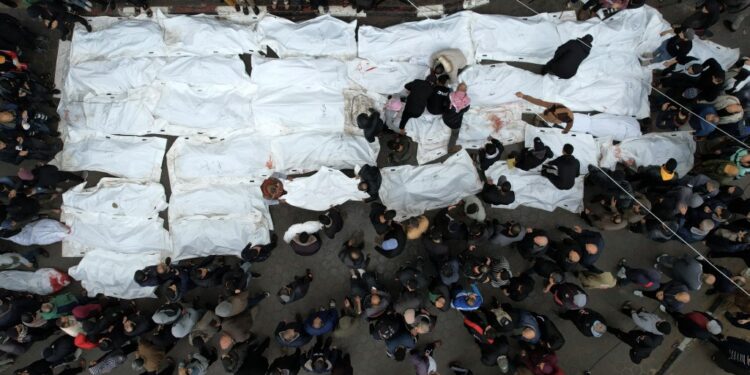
(519, 94)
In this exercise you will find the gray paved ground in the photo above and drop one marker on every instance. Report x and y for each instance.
(601, 356)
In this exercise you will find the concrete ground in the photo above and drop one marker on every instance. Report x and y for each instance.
(600, 356)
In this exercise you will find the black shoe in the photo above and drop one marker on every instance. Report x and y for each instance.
(245, 10)
(237, 7)
(256, 10)
(43, 252)
(728, 25)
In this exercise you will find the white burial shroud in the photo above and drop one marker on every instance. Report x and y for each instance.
(652, 149)
(323, 36)
(111, 273)
(533, 190)
(326, 188)
(116, 215)
(413, 190)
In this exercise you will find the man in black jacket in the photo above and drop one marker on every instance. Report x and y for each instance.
(500, 194)
(332, 222)
(370, 180)
(562, 172)
(419, 91)
(438, 101)
(589, 322)
(568, 57)
(641, 343)
(490, 153)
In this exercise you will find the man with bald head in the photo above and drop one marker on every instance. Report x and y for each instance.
(590, 241)
(534, 244)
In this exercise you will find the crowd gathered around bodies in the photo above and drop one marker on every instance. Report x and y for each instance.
(453, 273)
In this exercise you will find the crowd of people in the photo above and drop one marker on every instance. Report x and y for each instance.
(704, 206)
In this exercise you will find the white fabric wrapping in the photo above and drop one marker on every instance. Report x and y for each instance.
(40, 233)
(606, 125)
(417, 40)
(585, 148)
(497, 84)
(652, 149)
(310, 227)
(205, 35)
(207, 199)
(34, 282)
(478, 124)
(431, 134)
(208, 110)
(493, 85)
(115, 196)
(323, 190)
(111, 273)
(536, 38)
(388, 77)
(706, 49)
(126, 38)
(413, 190)
(205, 70)
(110, 76)
(126, 113)
(299, 94)
(199, 236)
(305, 152)
(130, 157)
(125, 234)
(196, 159)
(320, 36)
(533, 190)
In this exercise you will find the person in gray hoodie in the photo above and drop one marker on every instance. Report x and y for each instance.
(686, 270)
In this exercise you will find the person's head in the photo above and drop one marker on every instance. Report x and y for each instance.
(472, 208)
(476, 229)
(514, 229)
(490, 149)
(443, 79)
(289, 334)
(317, 322)
(6, 116)
(686, 34)
(439, 69)
(303, 237)
(683, 297)
(128, 326)
(568, 149)
(389, 244)
(319, 365)
(471, 299)
(363, 186)
(325, 220)
(440, 302)
(462, 87)
(541, 240)
(664, 327)
(713, 118)
(708, 279)
(528, 333)
(137, 363)
(573, 256)
(671, 165)
(505, 187)
(717, 79)
(599, 327)
(374, 300)
(354, 254)
(139, 276)
(387, 216)
(47, 307)
(27, 318)
(225, 342)
(706, 225)
(435, 235)
(538, 144)
(616, 218)
(591, 248)
(399, 354)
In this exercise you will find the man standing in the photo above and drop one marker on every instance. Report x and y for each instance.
(438, 101)
(453, 117)
(419, 91)
(563, 171)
